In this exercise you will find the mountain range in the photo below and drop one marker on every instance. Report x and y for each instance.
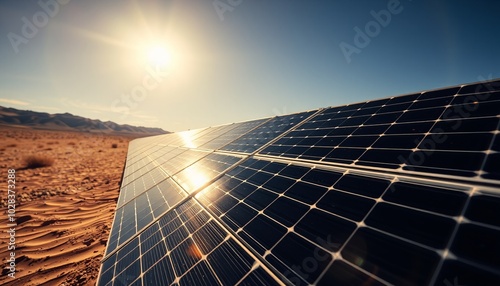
(68, 122)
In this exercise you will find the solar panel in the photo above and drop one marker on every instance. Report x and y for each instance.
(397, 191)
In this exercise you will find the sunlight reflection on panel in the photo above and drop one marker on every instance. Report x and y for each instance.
(192, 178)
(187, 139)
(194, 251)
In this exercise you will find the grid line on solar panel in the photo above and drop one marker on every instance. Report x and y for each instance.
(134, 166)
(204, 170)
(166, 195)
(162, 186)
(490, 183)
(181, 140)
(391, 145)
(234, 134)
(209, 136)
(144, 145)
(148, 144)
(143, 179)
(269, 222)
(185, 138)
(258, 137)
(265, 262)
(343, 122)
(139, 169)
(253, 180)
(148, 159)
(182, 161)
(130, 191)
(138, 145)
(157, 174)
(141, 211)
(491, 171)
(125, 229)
(481, 87)
(386, 217)
(176, 138)
(183, 242)
(476, 144)
(461, 238)
(453, 236)
(370, 171)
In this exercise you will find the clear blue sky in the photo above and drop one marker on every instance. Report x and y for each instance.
(231, 60)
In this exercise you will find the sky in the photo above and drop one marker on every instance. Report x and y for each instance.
(182, 65)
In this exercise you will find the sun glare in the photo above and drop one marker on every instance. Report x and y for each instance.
(158, 55)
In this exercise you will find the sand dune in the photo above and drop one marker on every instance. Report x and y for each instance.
(64, 211)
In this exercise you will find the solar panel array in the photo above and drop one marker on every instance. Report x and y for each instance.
(398, 191)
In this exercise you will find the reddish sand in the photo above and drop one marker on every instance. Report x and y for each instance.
(63, 211)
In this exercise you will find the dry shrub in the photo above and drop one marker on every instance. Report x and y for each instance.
(71, 143)
(114, 145)
(38, 161)
(11, 145)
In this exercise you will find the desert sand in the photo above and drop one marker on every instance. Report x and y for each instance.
(64, 211)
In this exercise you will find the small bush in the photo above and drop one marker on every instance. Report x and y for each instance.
(11, 145)
(114, 145)
(38, 161)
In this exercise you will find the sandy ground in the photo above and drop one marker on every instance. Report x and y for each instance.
(64, 211)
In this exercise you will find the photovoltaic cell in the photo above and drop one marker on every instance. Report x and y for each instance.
(397, 191)
(239, 130)
(185, 246)
(211, 134)
(401, 138)
(204, 170)
(141, 184)
(256, 138)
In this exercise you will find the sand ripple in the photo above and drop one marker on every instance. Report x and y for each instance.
(64, 211)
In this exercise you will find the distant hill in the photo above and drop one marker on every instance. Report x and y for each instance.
(69, 122)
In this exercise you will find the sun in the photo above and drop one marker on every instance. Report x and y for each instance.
(158, 55)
